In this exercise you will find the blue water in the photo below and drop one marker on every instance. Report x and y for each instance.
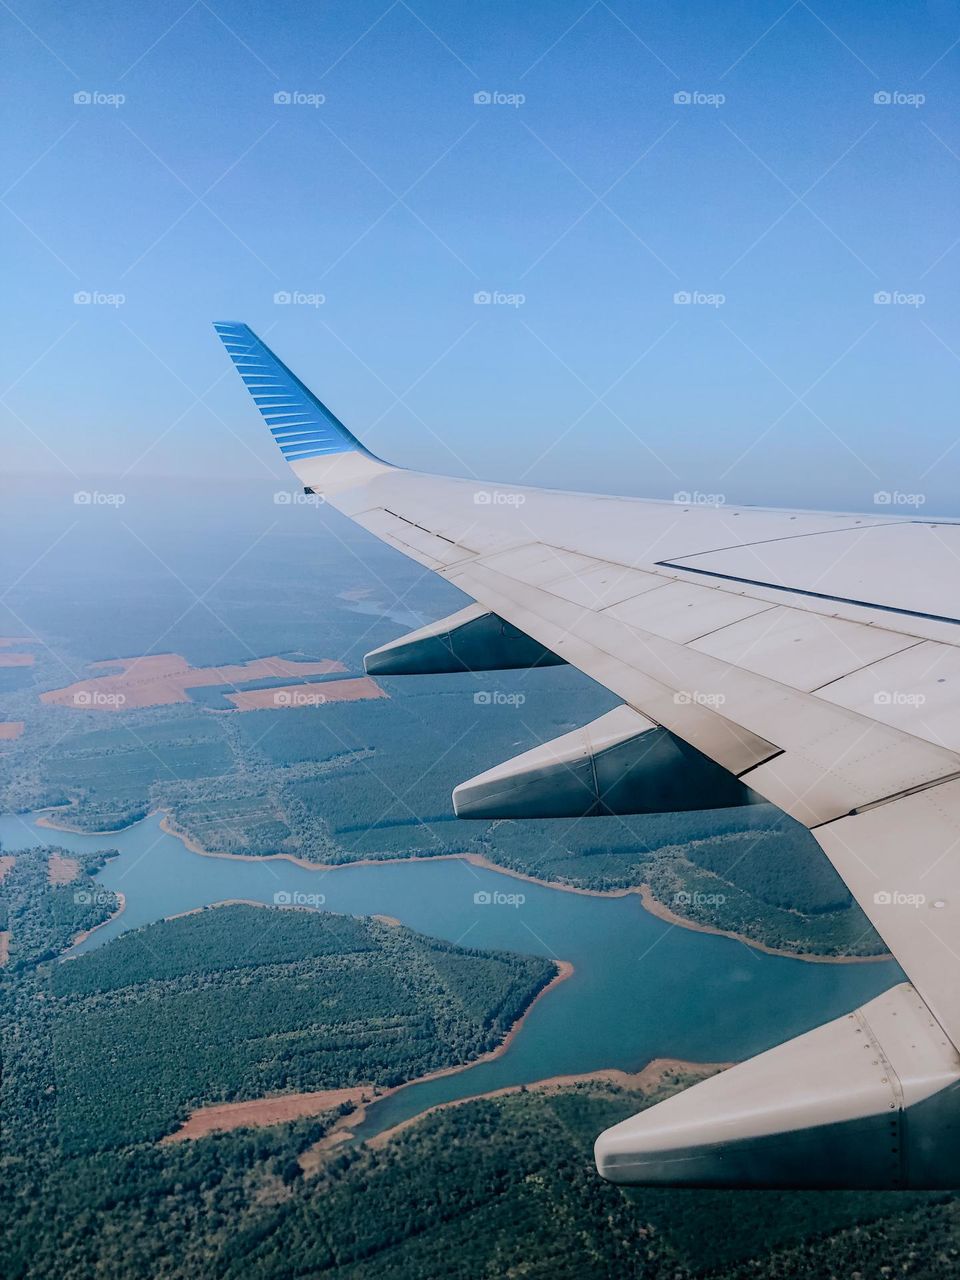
(641, 988)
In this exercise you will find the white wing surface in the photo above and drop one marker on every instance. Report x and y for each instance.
(812, 658)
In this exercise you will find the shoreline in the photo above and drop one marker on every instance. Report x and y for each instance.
(212, 906)
(87, 933)
(663, 912)
(45, 820)
(649, 902)
(315, 1102)
(645, 1080)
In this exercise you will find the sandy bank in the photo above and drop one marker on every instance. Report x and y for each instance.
(645, 1081)
(121, 907)
(263, 1111)
(223, 1117)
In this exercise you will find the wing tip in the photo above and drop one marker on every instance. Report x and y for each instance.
(301, 424)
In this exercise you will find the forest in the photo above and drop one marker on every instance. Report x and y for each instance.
(506, 1186)
(340, 782)
(490, 1188)
(239, 1002)
(43, 919)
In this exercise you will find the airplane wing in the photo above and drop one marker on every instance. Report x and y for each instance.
(809, 658)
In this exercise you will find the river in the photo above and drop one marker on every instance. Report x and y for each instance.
(641, 988)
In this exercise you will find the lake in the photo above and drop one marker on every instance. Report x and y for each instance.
(641, 988)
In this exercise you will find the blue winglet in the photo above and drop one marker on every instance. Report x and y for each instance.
(302, 426)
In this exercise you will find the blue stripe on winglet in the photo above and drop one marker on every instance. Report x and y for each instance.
(282, 397)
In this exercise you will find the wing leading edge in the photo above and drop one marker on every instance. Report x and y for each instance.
(799, 651)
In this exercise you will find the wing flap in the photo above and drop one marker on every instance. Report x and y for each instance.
(567, 630)
(916, 690)
(801, 649)
(873, 564)
(835, 760)
(684, 611)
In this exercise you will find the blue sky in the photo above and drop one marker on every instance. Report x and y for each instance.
(783, 198)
